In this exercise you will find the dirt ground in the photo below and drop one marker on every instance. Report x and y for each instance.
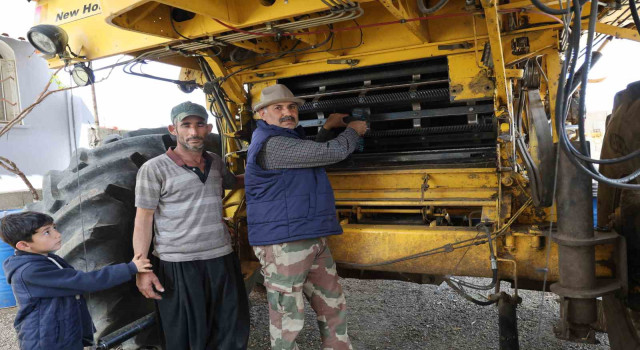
(401, 315)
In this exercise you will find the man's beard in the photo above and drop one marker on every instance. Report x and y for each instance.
(186, 144)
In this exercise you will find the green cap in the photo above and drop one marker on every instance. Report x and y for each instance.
(186, 109)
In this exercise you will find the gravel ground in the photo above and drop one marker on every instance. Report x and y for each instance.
(400, 315)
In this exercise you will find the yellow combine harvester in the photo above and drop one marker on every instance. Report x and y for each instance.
(467, 102)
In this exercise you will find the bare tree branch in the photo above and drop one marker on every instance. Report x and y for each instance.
(13, 168)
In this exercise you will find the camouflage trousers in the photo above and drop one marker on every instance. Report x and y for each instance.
(303, 267)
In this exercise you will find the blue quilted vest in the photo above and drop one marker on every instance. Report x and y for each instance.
(286, 205)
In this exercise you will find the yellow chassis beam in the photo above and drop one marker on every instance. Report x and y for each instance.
(371, 244)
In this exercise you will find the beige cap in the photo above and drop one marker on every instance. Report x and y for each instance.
(274, 94)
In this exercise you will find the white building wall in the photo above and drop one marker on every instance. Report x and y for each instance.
(45, 139)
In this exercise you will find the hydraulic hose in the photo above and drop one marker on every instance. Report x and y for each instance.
(469, 297)
(593, 18)
(550, 10)
(428, 10)
(634, 14)
(494, 268)
(568, 68)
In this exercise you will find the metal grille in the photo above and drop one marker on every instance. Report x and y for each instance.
(9, 104)
(411, 115)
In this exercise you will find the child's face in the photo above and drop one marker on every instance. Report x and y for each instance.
(46, 240)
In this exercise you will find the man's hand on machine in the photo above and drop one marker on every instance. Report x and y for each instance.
(335, 120)
(359, 126)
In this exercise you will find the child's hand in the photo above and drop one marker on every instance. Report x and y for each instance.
(143, 265)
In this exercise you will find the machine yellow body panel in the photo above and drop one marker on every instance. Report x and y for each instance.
(372, 34)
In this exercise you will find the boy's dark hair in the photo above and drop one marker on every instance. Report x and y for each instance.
(21, 226)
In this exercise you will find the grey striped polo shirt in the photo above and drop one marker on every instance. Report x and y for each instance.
(188, 213)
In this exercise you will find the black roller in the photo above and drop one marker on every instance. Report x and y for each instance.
(431, 130)
(441, 94)
(359, 76)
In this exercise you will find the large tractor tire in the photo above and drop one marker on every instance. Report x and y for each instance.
(620, 210)
(92, 202)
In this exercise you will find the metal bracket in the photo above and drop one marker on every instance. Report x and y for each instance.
(352, 61)
(424, 187)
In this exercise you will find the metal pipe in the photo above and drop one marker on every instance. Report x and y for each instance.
(293, 26)
(129, 331)
(576, 263)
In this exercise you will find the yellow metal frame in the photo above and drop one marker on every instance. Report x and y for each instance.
(134, 27)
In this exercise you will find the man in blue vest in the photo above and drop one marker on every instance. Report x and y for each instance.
(290, 211)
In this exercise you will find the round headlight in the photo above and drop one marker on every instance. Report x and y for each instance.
(82, 75)
(48, 39)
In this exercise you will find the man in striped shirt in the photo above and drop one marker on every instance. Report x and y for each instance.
(197, 284)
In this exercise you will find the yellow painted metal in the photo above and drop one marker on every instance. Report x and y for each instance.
(407, 186)
(91, 36)
(503, 86)
(514, 73)
(231, 12)
(539, 42)
(370, 244)
(467, 80)
(232, 86)
(617, 32)
(403, 9)
(126, 26)
(553, 65)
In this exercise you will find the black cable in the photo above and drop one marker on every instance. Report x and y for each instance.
(634, 14)
(128, 68)
(428, 10)
(347, 47)
(75, 54)
(223, 79)
(544, 8)
(282, 54)
(593, 18)
(494, 267)
(567, 77)
(464, 294)
(173, 26)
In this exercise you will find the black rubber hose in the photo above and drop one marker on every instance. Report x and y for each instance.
(550, 10)
(634, 14)
(593, 18)
(494, 268)
(618, 183)
(561, 106)
(129, 331)
(544, 8)
(595, 57)
(561, 115)
(467, 296)
(428, 10)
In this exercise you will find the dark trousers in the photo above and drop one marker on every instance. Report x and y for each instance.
(204, 306)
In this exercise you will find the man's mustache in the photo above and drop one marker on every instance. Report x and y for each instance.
(287, 118)
(195, 138)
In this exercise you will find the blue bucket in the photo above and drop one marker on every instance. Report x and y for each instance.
(6, 294)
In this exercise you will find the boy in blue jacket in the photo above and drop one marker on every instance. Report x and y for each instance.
(52, 314)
